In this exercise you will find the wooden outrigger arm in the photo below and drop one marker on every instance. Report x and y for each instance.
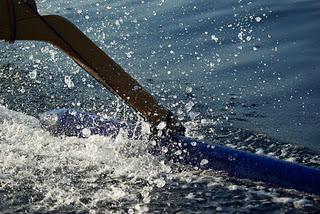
(19, 20)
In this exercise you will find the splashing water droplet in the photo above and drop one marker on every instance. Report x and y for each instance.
(258, 19)
(204, 162)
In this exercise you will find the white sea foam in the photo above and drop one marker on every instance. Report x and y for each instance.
(66, 170)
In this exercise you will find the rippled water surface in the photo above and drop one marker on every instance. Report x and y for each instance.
(239, 73)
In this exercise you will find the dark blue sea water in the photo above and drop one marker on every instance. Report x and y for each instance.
(238, 73)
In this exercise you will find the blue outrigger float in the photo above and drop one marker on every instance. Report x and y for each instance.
(196, 153)
(20, 20)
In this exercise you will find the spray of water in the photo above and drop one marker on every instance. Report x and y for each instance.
(50, 173)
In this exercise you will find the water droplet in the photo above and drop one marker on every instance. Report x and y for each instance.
(214, 38)
(204, 162)
(160, 182)
(258, 19)
(86, 132)
(164, 149)
(189, 90)
(179, 152)
(68, 81)
(33, 74)
(189, 106)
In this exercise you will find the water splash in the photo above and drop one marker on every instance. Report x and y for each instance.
(52, 173)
